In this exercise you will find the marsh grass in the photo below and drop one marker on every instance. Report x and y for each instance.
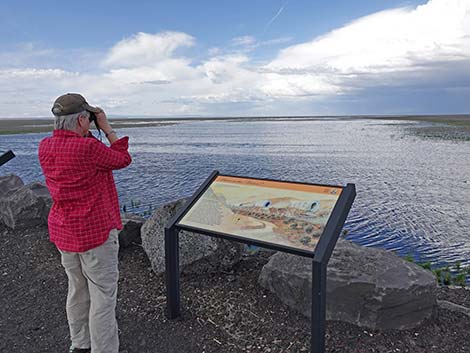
(441, 132)
(449, 128)
(446, 275)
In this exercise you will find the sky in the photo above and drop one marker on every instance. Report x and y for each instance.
(236, 58)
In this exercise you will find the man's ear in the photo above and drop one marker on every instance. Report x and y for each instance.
(81, 126)
(79, 120)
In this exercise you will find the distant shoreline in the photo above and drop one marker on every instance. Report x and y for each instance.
(37, 125)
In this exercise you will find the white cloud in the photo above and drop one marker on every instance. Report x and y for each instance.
(165, 70)
(215, 51)
(225, 68)
(276, 41)
(292, 86)
(244, 41)
(384, 44)
(146, 49)
(246, 44)
(35, 74)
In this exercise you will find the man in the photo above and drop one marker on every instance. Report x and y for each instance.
(85, 217)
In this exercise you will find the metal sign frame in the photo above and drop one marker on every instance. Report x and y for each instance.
(320, 256)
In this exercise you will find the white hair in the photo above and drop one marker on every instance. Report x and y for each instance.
(68, 122)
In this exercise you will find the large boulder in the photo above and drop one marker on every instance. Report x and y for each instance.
(198, 252)
(130, 232)
(9, 182)
(365, 286)
(26, 206)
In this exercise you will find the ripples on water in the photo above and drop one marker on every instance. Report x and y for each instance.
(412, 193)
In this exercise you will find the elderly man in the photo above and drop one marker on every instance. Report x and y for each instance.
(85, 217)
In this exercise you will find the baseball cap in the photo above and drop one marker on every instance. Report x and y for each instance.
(72, 103)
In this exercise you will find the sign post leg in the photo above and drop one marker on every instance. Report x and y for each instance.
(318, 307)
(172, 272)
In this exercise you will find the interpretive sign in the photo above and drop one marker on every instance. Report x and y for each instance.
(299, 218)
(280, 213)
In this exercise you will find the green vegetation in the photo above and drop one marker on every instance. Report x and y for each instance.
(410, 258)
(447, 275)
(426, 265)
(460, 279)
(454, 120)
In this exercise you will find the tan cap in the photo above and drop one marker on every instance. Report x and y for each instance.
(72, 103)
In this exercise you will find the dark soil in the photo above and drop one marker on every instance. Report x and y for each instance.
(223, 312)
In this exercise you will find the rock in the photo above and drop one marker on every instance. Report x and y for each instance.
(9, 182)
(130, 232)
(26, 206)
(365, 286)
(455, 308)
(198, 253)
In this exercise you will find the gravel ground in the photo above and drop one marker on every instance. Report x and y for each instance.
(222, 312)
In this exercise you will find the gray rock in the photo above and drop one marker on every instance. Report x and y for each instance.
(455, 308)
(26, 206)
(130, 232)
(198, 252)
(365, 286)
(9, 182)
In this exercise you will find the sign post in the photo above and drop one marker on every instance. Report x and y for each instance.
(297, 218)
(172, 272)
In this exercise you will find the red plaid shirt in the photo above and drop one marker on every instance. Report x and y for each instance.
(79, 176)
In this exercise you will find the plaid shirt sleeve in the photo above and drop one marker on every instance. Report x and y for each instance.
(111, 158)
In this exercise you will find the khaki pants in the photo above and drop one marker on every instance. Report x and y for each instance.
(91, 299)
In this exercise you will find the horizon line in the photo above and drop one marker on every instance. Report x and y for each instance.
(214, 117)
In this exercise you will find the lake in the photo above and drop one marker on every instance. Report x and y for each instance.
(413, 193)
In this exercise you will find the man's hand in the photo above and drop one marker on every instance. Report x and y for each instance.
(104, 125)
(102, 121)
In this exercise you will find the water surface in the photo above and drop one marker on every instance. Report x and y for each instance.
(412, 193)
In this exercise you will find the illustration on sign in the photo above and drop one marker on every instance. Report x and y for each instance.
(282, 213)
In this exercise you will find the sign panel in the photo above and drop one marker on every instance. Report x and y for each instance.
(281, 213)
